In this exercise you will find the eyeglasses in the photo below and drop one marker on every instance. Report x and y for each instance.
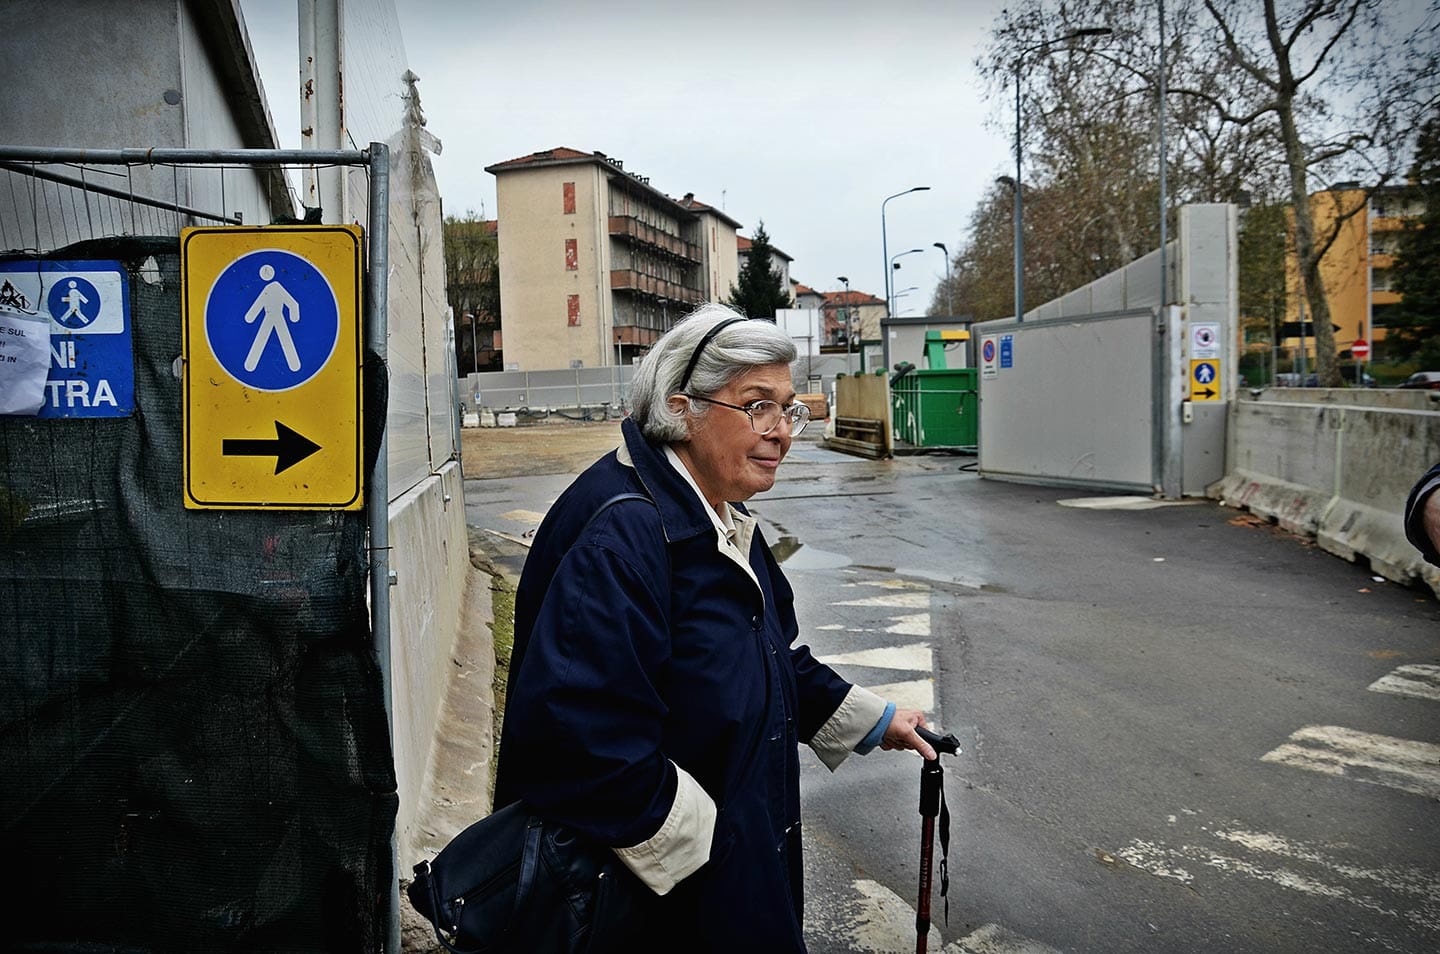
(765, 415)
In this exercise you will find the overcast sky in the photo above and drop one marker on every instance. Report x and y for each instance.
(805, 114)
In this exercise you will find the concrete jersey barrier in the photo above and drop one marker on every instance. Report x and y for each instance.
(1336, 465)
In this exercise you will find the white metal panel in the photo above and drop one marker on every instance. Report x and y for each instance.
(1108, 293)
(378, 106)
(1075, 406)
(1142, 281)
(1076, 303)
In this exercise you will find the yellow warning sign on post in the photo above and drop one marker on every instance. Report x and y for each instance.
(272, 367)
(1205, 379)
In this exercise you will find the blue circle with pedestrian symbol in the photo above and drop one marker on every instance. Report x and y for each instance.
(1204, 372)
(272, 320)
(73, 302)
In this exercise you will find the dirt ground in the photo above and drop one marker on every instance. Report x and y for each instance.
(488, 452)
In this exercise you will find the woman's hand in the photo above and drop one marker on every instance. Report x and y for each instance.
(900, 734)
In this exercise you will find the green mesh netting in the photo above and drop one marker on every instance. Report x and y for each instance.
(193, 743)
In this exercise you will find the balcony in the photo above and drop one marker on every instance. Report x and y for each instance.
(624, 279)
(630, 228)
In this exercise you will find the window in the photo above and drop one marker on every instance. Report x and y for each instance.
(568, 192)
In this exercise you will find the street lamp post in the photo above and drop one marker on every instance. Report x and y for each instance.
(901, 294)
(949, 298)
(885, 252)
(895, 265)
(849, 327)
(474, 350)
(1019, 215)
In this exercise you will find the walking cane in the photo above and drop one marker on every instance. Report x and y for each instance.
(932, 803)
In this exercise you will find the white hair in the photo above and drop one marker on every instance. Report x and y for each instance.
(736, 349)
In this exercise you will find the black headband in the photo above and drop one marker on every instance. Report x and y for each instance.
(695, 356)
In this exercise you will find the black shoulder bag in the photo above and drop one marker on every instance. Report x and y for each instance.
(513, 882)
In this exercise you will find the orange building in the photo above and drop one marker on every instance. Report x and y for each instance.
(1356, 269)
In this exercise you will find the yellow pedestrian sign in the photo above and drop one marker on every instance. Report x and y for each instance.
(1205, 379)
(272, 359)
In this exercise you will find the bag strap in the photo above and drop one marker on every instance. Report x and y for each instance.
(529, 866)
(517, 652)
(618, 498)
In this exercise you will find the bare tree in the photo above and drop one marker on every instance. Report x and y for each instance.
(1338, 90)
(979, 282)
(1273, 98)
(472, 286)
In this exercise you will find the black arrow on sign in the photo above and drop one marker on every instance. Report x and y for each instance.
(1208, 393)
(288, 448)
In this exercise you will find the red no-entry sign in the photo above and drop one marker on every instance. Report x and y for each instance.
(1360, 349)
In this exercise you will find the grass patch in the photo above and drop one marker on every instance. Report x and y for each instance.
(502, 628)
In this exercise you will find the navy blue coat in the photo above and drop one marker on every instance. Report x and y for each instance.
(643, 644)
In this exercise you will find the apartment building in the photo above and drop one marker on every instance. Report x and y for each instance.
(854, 312)
(1357, 268)
(596, 263)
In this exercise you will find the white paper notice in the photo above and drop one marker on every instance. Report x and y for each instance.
(24, 362)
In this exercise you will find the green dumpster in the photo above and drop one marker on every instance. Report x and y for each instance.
(936, 408)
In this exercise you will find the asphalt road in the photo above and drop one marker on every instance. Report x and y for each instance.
(1174, 738)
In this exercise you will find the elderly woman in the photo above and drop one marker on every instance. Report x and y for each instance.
(657, 700)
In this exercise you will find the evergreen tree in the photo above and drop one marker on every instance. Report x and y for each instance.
(759, 293)
(1414, 324)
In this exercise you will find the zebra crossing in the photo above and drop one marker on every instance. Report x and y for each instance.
(1196, 846)
(1419, 681)
(885, 630)
(1368, 757)
(1334, 872)
(900, 609)
(891, 617)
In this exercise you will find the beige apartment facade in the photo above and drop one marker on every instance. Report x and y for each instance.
(719, 247)
(596, 263)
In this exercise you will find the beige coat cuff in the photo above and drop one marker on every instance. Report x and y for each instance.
(849, 725)
(682, 844)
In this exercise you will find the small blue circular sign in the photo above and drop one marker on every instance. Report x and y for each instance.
(272, 320)
(73, 302)
(988, 350)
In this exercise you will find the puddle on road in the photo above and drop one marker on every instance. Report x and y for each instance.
(797, 556)
(937, 578)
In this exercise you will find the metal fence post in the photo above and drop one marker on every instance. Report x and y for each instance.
(377, 287)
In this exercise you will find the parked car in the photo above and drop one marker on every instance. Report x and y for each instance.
(1423, 380)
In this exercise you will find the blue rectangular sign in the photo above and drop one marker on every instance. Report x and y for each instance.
(92, 365)
(1007, 351)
